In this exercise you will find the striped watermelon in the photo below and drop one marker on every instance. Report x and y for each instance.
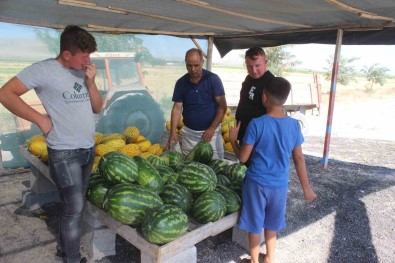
(178, 195)
(202, 153)
(96, 193)
(181, 165)
(218, 165)
(223, 180)
(128, 203)
(148, 176)
(233, 201)
(209, 207)
(117, 167)
(236, 172)
(169, 176)
(156, 160)
(164, 224)
(173, 157)
(197, 177)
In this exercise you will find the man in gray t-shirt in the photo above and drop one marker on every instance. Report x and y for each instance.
(66, 87)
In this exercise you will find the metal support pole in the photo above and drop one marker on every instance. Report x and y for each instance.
(332, 95)
(209, 61)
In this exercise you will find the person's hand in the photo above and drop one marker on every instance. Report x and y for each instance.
(233, 131)
(208, 134)
(309, 194)
(45, 125)
(90, 72)
(173, 140)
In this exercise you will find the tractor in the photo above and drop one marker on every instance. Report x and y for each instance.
(127, 102)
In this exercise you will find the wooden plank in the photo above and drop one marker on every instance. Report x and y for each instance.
(189, 239)
(35, 162)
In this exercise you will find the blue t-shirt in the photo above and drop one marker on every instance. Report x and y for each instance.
(199, 105)
(273, 140)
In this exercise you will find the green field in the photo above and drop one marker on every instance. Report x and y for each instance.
(160, 81)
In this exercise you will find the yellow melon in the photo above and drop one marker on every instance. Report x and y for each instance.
(228, 111)
(140, 138)
(168, 125)
(116, 143)
(225, 125)
(98, 137)
(36, 147)
(225, 136)
(130, 149)
(109, 137)
(131, 134)
(144, 145)
(103, 148)
(155, 149)
(228, 147)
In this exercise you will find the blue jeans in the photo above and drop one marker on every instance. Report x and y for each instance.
(70, 170)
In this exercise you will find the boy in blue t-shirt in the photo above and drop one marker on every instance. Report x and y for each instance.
(270, 140)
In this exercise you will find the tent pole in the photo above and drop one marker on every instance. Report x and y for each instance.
(209, 61)
(332, 94)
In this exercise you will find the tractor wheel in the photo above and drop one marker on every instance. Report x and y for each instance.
(136, 110)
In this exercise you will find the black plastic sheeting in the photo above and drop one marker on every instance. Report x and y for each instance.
(384, 36)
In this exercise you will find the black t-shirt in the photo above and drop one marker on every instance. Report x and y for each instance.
(250, 103)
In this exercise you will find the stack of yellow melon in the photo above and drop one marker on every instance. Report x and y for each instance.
(179, 126)
(37, 146)
(228, 119)
(130, 142)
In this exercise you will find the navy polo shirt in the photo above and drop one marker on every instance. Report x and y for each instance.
(199, 105)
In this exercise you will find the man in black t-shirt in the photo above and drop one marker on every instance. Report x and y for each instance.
(250, 103)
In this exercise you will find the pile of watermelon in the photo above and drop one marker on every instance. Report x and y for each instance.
(160, 193)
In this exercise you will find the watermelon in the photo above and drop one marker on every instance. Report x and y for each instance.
(236, 172)
(178, 195)
(233, 201)
(164, 224)
(169, 176)
(96, 177)
(96, 193)
(223, 180)
(181, 165)
(202, 153)
(148, 176)
(197, 177)
(209, 207)
(117, 167)
(173, 157)
(128, 203)
(218, 165)
(156, 160)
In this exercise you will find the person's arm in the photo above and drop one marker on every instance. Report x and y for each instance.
(10, 97)
(242, 153)
(221, 109)
(94, 95)
(174, 121)
(300, 166)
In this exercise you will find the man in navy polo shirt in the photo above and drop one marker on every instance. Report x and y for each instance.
(200, 97)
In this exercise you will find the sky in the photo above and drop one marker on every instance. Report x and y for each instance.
(311, 56)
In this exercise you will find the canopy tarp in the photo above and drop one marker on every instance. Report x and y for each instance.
(233, 24)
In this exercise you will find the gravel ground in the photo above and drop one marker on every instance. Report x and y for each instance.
(352, 220)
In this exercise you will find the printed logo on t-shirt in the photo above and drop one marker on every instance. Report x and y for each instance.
(76, 96)
(251, 93)
(77, 87)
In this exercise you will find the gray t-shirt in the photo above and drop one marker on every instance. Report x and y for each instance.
(65, 97)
